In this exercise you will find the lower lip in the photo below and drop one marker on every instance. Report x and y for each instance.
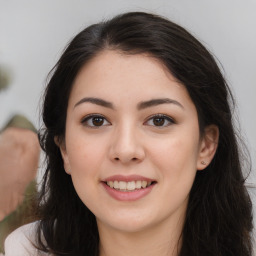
(128, 196)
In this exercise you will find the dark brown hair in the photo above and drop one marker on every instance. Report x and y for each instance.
(219, 214)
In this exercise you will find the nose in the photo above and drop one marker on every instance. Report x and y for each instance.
(126, 146)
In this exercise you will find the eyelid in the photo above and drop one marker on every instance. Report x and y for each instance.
(166, 117)
(89, 116)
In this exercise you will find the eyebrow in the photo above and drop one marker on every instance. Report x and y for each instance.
(142, 105)
(96, 101)
(155, 102)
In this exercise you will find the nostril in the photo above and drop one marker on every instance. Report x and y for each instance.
(126, 159)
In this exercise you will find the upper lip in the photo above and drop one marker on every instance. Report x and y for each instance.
(127, 178)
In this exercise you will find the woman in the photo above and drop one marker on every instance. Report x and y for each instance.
(142, 157)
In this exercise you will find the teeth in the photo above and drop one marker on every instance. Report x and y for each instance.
(122, 185)
(138, 184)
(129, 186)
(116, 184)
(111, 184)
(143, 183)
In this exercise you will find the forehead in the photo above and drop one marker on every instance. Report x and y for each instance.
(119, 76)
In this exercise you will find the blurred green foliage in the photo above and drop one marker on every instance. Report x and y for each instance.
(5, 78)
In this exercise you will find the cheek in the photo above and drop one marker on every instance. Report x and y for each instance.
(84, 152)
(85, 159)
(176, 152)
(176, 159)
(85, 165)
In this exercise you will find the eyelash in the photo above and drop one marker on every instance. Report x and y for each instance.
(90, 117)
(164, 118)
(161, 116)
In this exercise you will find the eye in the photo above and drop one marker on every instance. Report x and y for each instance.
(95, 121)
(160, 120)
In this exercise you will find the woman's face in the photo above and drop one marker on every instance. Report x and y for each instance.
(132, 143)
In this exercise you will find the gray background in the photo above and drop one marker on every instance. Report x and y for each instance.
(34, 33)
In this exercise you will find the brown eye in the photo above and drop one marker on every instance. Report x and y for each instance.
(160, 121)
(95, 121)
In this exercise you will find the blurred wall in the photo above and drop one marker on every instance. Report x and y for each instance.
(34, 33)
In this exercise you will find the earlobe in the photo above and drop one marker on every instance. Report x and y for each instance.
(208, 146)
(62, 146)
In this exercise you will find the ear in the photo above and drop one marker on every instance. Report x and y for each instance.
(62, 146)
(208, 146)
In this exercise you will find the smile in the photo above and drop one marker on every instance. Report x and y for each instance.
(128, 186)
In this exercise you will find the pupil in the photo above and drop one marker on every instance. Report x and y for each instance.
(158, 121)
(97, 121)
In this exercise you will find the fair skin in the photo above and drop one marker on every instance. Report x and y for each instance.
(19, 151)
(117, 137)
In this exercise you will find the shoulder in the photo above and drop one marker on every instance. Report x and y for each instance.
(20, 242)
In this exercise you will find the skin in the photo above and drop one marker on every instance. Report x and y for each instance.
(128, 142)
(19, 151)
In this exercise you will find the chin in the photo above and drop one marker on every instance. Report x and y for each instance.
(128, 223)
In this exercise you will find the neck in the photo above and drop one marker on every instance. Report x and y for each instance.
(164, 240)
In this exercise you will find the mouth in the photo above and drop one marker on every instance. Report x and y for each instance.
(129, 186)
